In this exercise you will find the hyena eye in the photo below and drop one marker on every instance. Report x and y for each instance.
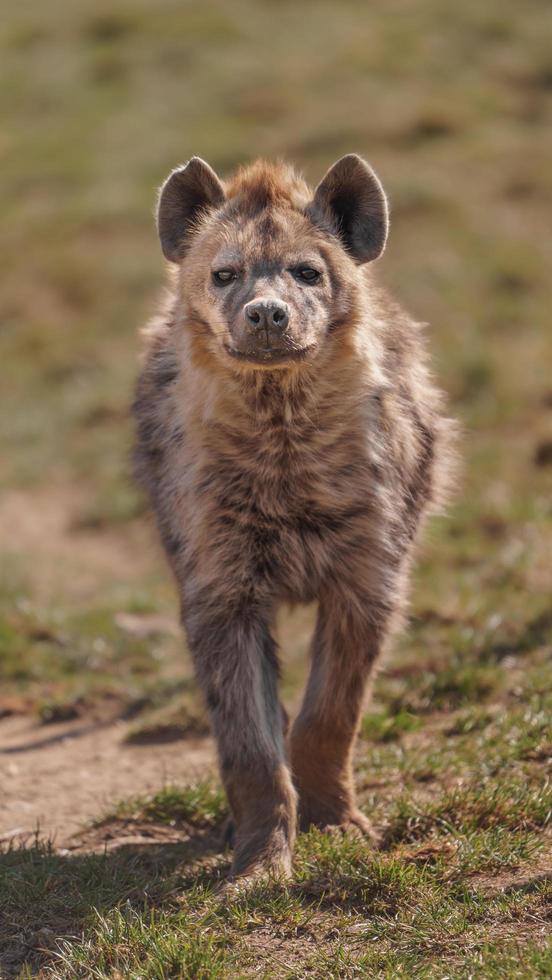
(223, 276)
(306, 274)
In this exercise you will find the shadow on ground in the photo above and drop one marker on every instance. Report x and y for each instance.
(47, 896)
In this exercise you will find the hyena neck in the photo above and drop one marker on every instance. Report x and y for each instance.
(333, 387)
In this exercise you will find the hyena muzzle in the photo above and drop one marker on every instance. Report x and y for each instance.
(290, 440)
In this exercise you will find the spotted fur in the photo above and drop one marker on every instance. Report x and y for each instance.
(302, 482)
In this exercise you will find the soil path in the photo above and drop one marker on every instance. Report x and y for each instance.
(58, 777)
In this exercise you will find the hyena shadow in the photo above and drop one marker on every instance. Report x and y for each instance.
(50, 896)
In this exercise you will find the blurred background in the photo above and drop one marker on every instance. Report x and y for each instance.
(451, 103)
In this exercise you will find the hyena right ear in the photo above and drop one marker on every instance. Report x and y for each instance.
(351, 202)
(186, 193)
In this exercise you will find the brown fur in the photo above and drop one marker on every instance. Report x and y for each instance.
(299, 482)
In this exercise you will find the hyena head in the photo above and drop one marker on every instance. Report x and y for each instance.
(267, 270)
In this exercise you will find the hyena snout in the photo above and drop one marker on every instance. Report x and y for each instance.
(267, 319)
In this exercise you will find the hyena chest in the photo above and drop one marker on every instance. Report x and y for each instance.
(283, 514)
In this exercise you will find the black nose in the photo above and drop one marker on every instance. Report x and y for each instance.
(267, 314)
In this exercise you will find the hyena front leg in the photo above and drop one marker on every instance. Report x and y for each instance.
(346, 644)
(236, 664)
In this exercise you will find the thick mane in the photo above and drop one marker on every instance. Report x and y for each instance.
(263, 184)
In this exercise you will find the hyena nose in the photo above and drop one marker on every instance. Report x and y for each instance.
(267, 314)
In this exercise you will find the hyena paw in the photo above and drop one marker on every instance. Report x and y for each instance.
(257, 857)
(247, 873)
(356, 824)
(241, 883)
(349, 821)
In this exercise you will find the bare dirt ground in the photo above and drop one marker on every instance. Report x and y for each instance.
(55, 778)
(69, 560)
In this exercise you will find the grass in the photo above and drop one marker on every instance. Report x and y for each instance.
(456, 872)
(452, 105)
(464, 859)
(201, 804)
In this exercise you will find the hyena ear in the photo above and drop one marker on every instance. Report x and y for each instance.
(351, 201)
(186, 193)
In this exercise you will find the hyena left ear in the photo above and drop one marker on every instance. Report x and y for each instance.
(351, 201)
(186, 193)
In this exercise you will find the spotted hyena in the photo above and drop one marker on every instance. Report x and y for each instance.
(290, 440)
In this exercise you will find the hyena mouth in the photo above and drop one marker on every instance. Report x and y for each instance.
(269, 355)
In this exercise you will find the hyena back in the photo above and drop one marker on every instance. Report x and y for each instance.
(290, 440)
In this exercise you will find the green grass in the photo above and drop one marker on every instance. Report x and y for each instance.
(463, 860)
(158, 911)
(201, 804)
(452, 105)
